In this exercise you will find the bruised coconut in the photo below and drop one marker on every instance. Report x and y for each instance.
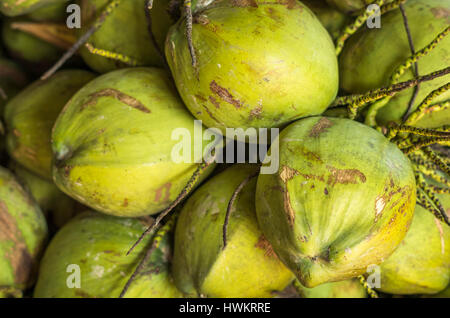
(56, 206)
(123, 162)
(23, 234)
(421, 263)
(370, 57)
(286, 71)
(15, 7)
(30, 115)
(247, 267)
(342, 199)
(132, 41)
(98, 245)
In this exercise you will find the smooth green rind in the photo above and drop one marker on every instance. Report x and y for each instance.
(36, 54)
(98, 244)
(57, 207)
(121, 163)
(14, 7)
(288, 70)
(342, 199)
(23, 233)
(350, 288)
(421, 263)
(133, 40)
(370, 56)
(30, 116)
(247, 267)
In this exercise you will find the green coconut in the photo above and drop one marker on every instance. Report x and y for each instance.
(342, 199)
(95, 246)
(421, 263)
(36, 54)
(122, 162)
(133, 40)
(350, 288)
(30, 116)
(57, 207)
(12, 79)
(286, 71)
(370, 57)
(333, 20)
(15, 8)
(247, 267)
(351, 7)
(55, 12)
(23, 233)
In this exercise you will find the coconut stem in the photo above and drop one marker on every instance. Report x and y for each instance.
(415, 116)
(391, 6)
(435, 158)
(157, 239)
(399, 71)
(416, 65)
(83, 39)
(424, 132)
(374, 95)
(186, 190)
(425, 195)
(112, 55)
(231, 202)
(370, 291)
(353, 27)
(422, 143)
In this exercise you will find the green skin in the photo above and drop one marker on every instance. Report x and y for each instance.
(333, 20)
(55, 12)
(350, 288)
(30, 116)
(12, 79)
(57, 207)
(98, 245)
(14, 8)
(421, 263)
(370, 56)
(121, 163)
(339, 204)
(288, 70)
(36, 54)
(247, 267)
(133, 41)
(23, 233)
(350, 6)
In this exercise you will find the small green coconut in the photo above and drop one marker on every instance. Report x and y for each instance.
(55, 12)
(87, 259)
(36, 54)
(370, 57)
(57, 207)
(14, 8)
(30, 115)
(23, 233)
(421, 263)
(350, 288)
(259, 63)
(247, 267)
(351, 7)
(132, 41)
(342, 199)
(123, 162)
